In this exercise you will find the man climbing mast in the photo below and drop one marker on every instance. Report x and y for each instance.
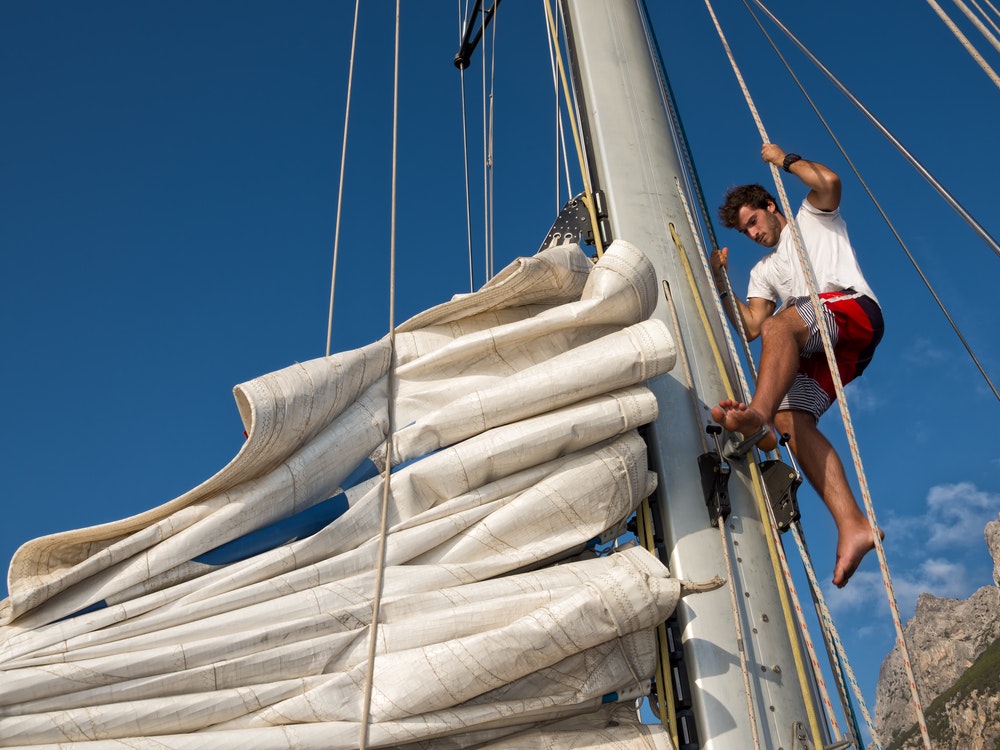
(794, 383)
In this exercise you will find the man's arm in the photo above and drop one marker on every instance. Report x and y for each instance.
(823, 182)
(753, 313)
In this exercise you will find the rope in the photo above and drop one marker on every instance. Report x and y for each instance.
(772, 539)
(882, 213)
(730, 571)
(785, 568)
(588, 198)
(985, 15)
(462, 18)
(340, 184)
(562, 153)
(391, 418)
(964, 41)
(837, 382)
(979, 24)
(833, 637)
(949, 199)
(744, 384)
(665, 705)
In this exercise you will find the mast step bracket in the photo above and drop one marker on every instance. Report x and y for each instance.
(782, 482)
(737, 447)
(800, 739)
(571, 225)
(715, 484)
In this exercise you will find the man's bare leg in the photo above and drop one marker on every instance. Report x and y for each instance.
(782, 337)
(825, 472)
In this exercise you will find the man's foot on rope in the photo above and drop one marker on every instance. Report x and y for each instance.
(851, 550)
(738, 417)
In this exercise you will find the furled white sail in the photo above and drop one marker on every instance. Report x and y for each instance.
(239, 612)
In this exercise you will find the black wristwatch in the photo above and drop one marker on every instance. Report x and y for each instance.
(790, 159)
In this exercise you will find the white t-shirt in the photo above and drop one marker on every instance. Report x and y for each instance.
(778, 275)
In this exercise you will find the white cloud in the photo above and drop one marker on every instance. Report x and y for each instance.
(942, 578)
(862, 397)
(951, 527)
(866, 589)
(958, 513)
(924, 352)
(863, 590)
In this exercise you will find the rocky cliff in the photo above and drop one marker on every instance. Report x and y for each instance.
(954, 647)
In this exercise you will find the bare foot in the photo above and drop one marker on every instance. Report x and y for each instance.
(851, 550)
(736, 416)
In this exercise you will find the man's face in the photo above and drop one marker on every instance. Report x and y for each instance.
(762, 225)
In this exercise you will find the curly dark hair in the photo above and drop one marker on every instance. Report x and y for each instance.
(754, 196)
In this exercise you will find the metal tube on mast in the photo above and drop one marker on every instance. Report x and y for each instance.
(633, 159)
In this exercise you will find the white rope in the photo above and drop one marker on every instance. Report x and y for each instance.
(986, 15)
(562, 154)
(973, 52)
(837, 382)
(978, 24)
(340, 185)
(832, 636)
(391, 417)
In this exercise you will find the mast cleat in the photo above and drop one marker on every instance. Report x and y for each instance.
(715, 479)
(781, 482)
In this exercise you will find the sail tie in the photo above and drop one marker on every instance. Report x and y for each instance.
(837, 382)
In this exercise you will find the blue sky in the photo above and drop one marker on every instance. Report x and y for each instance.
(169, 189)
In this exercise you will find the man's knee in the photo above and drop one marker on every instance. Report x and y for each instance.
(790, 421)
(786, 323)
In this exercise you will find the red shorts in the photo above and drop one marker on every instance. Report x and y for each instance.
(856, 326)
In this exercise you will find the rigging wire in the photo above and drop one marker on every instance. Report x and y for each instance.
(465, 150)
(390, 416)
(964, 41)
(340, 185)
(486, 167)
(969, 219)
(835, 376)
(491, 216)
(878, 206)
